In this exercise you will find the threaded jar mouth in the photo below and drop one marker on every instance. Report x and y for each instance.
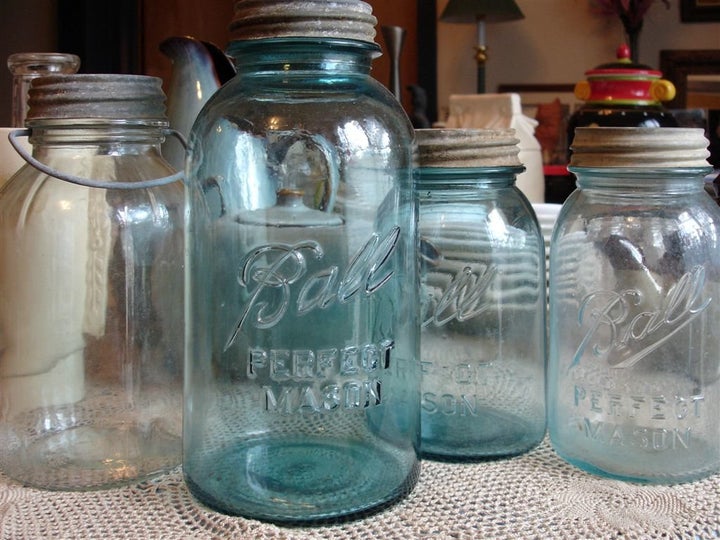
(92, 96)
(339, 19)
(639, 147)
(467, 148)
(42, 62)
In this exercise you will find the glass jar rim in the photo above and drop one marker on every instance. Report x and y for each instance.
(94, 122)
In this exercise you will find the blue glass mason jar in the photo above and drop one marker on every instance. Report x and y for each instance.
(634, 370)
(483, 298)
(302, 374)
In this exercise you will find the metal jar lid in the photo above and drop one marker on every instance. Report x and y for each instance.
(467, 148)
(654, 148)
(105, 96)
(342, 19)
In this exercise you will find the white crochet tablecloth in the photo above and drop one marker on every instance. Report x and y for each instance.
(536, 495)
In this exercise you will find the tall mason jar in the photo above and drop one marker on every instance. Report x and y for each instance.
(91, 309)
(634, 370)
(302, 374)
(483, 298)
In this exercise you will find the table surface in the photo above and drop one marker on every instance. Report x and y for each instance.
(536, 495)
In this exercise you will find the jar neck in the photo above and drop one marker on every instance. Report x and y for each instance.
(113, 136)
(297, 56)
(439, 179)
(639, 183)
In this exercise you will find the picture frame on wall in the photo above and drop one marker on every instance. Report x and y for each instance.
(699, 10)
(551, 106)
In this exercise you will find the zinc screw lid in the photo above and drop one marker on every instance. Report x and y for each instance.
(103, 96)
(659, 147)
(342, 19)
(467, 148)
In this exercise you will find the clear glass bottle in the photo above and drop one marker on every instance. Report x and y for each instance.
(27, 66)
(302, 373)
(483, 298)
(634, 371)
(91, 313)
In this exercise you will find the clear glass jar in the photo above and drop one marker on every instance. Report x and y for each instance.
(634, 371)
(91, 313)
(25, 67)
(302, 374)
(483, 298)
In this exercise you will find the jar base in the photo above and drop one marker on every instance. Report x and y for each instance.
(651, 467)
(301, 480)
(487, 434)
(89, 457)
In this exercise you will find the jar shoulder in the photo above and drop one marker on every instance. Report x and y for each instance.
(678, 227)
(258, 105)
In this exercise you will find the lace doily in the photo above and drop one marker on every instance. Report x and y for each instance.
(535, 495)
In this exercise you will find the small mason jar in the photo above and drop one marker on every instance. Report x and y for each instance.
(302, 373)
(25, 67)
(483, 308)
(91, 308)
(634, 370)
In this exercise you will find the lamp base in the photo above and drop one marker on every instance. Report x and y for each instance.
(480, 58)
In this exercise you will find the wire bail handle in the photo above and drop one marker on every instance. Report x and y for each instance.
(155, 182)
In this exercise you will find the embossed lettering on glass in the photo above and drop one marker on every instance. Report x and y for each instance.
(634, 372)
(483, 291)
(302, 386)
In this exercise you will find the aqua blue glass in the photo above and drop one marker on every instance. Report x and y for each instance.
(483, 298)
(302, 379)
(634, 370)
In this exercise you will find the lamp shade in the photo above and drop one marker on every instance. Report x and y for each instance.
(467, 11)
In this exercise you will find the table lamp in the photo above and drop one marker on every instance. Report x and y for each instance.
(480, 12)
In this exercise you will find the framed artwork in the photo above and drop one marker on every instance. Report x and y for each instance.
(551, 105)
(533, 94)
(681, 67)
(678, 65)
(699, 10)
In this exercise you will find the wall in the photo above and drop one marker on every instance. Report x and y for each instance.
(556, 43)
(25, 26)
(209, 20)
(402, 13)
(31, 25)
